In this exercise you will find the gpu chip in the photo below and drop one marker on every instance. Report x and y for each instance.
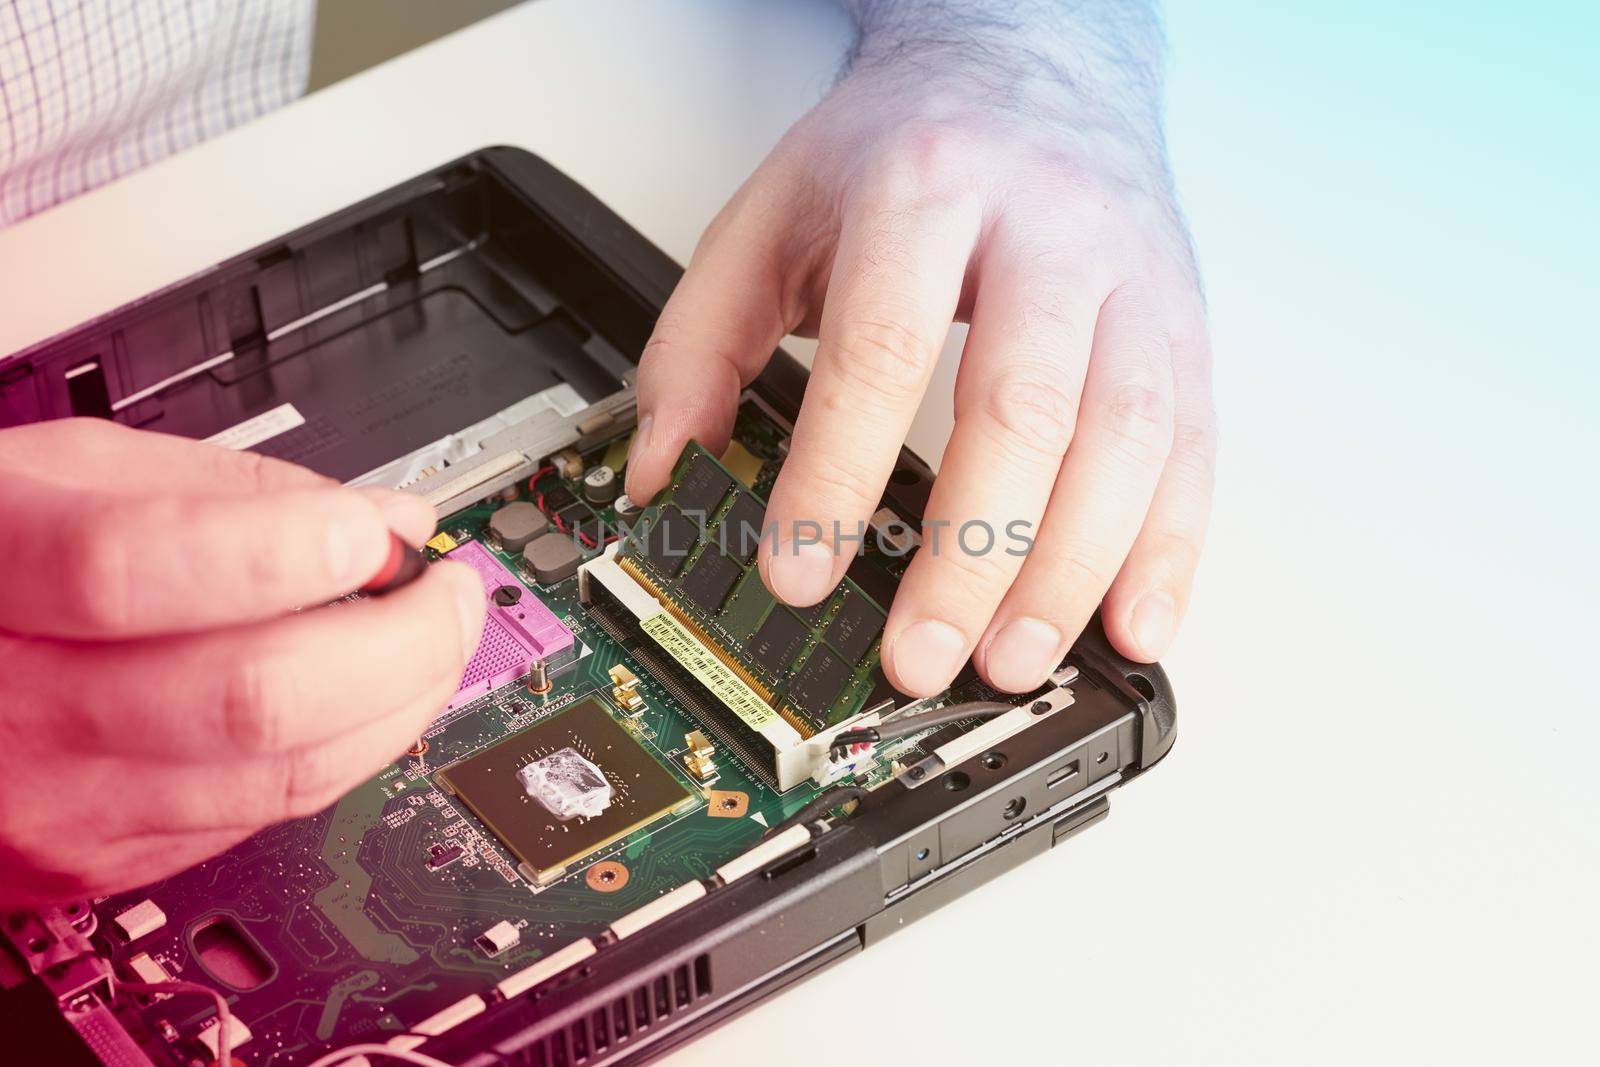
(641, 789)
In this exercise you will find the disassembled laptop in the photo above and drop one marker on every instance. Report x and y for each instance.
(657, 796)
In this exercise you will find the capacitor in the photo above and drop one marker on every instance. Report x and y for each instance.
(600, 485)
(539, 678)
(627, 510)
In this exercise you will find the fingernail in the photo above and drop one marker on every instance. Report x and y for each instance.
(801, 574)
(1021, 654)
(640, 445)
(927, 655)
(1155, 618)
(470, 605)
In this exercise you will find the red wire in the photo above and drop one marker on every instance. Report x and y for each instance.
(538, 502)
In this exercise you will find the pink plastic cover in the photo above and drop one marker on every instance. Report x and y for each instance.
(513, 637)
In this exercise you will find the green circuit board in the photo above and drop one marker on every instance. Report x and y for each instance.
(368, 914)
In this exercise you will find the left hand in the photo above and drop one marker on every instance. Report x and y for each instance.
(902, 203)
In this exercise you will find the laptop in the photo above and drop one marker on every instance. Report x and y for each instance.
(658, 796)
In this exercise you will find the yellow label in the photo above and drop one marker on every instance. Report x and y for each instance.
(699, 661)
(442, 543)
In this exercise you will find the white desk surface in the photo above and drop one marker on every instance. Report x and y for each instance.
(1376, 838)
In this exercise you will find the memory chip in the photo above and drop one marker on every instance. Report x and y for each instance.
(703, 488)
(874, 579)
(814, 614)
(741, 530)
(710, 579)
(819, 684)
(670, 540)
(778, 641)
(854, 628)
(642, 790)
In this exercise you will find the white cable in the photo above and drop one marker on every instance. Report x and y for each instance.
(224, 1016)
(339, 1056)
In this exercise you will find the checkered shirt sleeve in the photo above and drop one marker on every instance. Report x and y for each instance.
(93, 89)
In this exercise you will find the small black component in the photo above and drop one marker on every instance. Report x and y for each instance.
(855, 627)
(741, 530)
(668, 543)
(558, 498)
(777, 641)
(507, 595)
(817, 686)
(710, 580)
(587, 523)
(443, 855)
(703, 488)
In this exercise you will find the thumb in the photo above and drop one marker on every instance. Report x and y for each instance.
(717, 331)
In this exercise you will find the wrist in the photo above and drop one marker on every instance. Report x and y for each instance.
(1096, 67)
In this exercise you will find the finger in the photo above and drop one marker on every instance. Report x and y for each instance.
(80, 865)
(1123, 436)
(717, 331)
(99, 454)
(115, 567)
(1150, 595)
(1016, 401)
(253, 690)
(407, 514)
(896, 281)
(249, 794)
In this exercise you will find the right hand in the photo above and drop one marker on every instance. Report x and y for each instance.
(160, 697)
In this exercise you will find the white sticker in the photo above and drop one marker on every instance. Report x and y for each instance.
(252, 432)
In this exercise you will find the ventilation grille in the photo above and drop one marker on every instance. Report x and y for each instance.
(624, 1019)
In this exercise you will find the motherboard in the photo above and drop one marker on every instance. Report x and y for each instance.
(639, 712)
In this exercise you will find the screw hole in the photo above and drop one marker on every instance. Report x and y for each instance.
(38, 945)
(994, 760)
(1142, 685)
(904, 476)
(1014, 807)
(956, 781)
(1040, 707)
(1102, 757)
(922, 854)
(916, 773)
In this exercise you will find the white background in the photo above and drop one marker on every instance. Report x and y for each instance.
(1376, 837)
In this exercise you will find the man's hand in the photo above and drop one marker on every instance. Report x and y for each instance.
(1003, 164)
(159, 700)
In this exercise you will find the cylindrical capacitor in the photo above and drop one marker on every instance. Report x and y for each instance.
(627, 510)
(539, 678)
(600, 485)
